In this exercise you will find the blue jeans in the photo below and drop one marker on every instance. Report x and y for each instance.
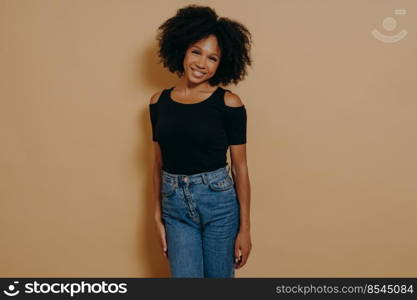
(201, 217)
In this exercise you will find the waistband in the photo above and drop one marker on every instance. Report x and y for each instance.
(204, 177)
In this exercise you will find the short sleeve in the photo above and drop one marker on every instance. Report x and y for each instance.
(153, 113)
(236, 122)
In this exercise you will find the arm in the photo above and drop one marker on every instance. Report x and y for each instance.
(240, 175)
(156, 170)
(156, 181)
(156, 188)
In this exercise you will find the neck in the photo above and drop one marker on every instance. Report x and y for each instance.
(189, 87)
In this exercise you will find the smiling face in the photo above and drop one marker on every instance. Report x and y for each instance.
(201, 60)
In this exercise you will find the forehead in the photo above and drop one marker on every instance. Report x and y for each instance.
(208, 44)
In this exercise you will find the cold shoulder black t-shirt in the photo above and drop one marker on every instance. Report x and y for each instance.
(194, 137)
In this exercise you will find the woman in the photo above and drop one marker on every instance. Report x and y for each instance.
(202, 213)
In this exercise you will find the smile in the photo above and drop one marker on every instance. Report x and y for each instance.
(197, 73)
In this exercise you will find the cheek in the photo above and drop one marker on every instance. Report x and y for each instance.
(188, 58)
(189, 61)
(213, 67)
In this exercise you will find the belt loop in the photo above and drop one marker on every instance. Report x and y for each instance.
(205, 180)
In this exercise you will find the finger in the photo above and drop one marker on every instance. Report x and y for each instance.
(163, 240)
(238, 261)
(164, 245)
(164, 249)
(238, 258)
(242, 261)
(237, 252)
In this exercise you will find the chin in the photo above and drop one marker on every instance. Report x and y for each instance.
(195, 80)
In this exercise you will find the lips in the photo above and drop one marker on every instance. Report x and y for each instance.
(197, 74)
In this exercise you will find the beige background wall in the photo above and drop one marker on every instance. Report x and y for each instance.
(331, 137)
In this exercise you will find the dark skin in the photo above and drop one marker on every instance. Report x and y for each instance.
(200, 64)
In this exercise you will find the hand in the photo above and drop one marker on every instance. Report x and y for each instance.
(162, 235)
(244, 245)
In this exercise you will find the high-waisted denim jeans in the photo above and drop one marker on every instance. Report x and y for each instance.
(201, 217)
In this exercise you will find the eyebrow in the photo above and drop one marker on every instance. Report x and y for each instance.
(213, 53)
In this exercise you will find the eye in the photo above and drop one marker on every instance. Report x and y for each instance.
(213, 58)
(195, 51)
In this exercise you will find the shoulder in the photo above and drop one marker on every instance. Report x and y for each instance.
(155, 97)
(232, 99)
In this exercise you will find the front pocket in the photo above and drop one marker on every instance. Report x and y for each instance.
(167, 189)
(222, 184)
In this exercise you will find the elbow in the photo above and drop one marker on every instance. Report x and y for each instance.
(239, 169)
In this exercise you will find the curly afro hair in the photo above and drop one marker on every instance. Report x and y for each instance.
(193, 23)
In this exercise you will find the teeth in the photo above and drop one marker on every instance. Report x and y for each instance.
(198, 73)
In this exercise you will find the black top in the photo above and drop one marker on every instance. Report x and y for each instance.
(194, 138)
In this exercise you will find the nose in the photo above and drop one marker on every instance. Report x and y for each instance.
(201, 62)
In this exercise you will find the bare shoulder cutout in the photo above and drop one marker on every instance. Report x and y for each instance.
(232, 100)
(155, 97)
